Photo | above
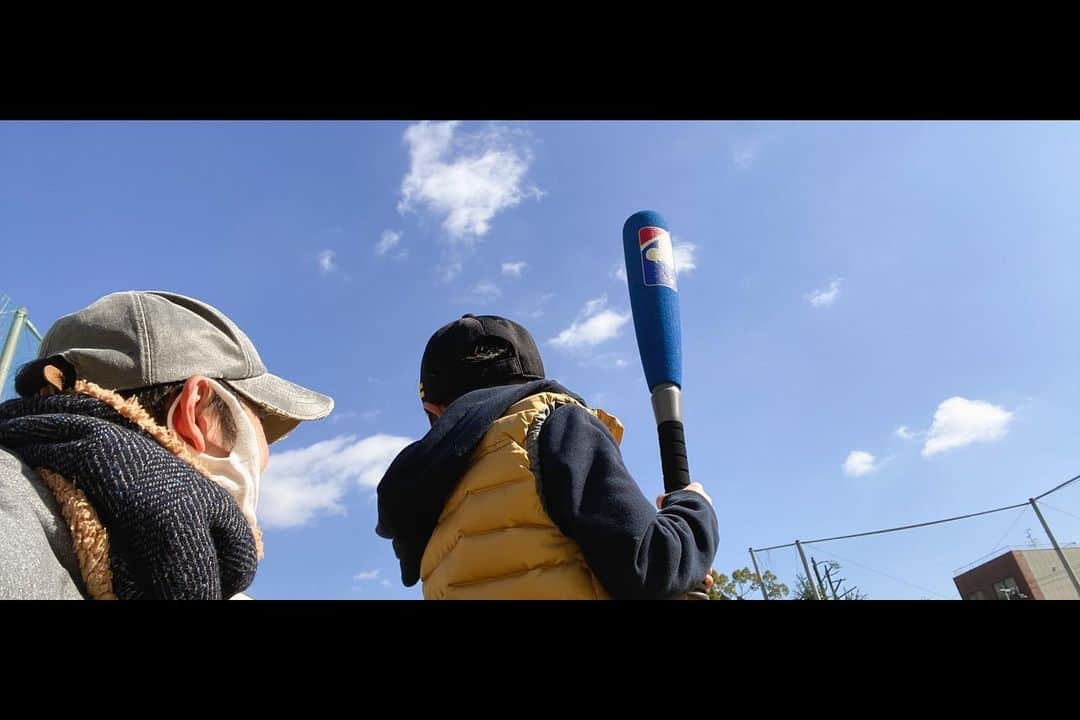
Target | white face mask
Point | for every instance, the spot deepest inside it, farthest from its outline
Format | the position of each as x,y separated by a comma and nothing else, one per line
239,473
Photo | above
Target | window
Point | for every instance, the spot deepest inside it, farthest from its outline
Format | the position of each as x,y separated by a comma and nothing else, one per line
1007,590
977,595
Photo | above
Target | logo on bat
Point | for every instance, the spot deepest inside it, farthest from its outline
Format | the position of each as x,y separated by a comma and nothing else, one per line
657,258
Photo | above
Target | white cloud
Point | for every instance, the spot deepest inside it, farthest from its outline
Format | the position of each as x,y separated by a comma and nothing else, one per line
594,325
341,415
449,270
905,434
536,309
301,485
481,293
370,414
959,422
326,261
619,272
592,331
385,583
604,360
486,289
685,255
513,268
466,178
743,154
367,575
825,298
387,242
860,462
594,306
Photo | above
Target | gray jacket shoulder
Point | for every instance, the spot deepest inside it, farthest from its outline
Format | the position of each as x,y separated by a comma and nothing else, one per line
37,559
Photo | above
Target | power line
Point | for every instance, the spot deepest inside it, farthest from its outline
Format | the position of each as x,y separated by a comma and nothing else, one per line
925,524
885,574
1053,490
774,547
1048,505
902,527
1006,534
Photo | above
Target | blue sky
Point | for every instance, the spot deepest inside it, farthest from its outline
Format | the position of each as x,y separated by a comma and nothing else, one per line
838,280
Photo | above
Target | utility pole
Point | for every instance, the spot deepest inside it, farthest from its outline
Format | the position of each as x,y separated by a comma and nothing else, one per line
761,580
8,353
806,567
1057,548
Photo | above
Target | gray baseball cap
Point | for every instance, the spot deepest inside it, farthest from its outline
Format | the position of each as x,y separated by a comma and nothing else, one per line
134,339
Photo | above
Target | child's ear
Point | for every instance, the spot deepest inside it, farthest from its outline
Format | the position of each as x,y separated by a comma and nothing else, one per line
54,380
45,377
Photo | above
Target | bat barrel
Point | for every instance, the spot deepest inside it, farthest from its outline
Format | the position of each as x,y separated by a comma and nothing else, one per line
654,297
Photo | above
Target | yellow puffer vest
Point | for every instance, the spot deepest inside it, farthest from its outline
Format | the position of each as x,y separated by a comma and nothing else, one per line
494,540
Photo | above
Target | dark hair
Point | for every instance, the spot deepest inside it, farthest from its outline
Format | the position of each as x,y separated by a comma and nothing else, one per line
156,400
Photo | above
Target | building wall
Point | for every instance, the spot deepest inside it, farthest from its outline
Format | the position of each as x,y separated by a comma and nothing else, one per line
983,577
1046,572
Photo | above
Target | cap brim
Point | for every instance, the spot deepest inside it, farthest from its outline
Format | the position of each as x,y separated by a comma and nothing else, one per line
287,404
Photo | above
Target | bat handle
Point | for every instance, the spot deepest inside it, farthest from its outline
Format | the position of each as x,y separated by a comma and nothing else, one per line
667,409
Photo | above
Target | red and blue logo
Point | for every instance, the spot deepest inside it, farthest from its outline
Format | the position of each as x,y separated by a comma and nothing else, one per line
657,258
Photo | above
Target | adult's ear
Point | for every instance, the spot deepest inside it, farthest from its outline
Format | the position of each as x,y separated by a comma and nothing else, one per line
189,418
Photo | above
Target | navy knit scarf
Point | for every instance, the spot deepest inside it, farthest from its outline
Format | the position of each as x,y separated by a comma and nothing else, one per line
173,534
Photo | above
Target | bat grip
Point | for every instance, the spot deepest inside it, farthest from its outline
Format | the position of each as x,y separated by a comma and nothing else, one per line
673,455
676,477
667,409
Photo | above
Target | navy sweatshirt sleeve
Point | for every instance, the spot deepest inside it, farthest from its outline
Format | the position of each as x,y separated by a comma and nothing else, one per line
636,552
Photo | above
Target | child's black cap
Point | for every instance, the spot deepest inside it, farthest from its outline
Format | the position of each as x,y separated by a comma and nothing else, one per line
477,352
